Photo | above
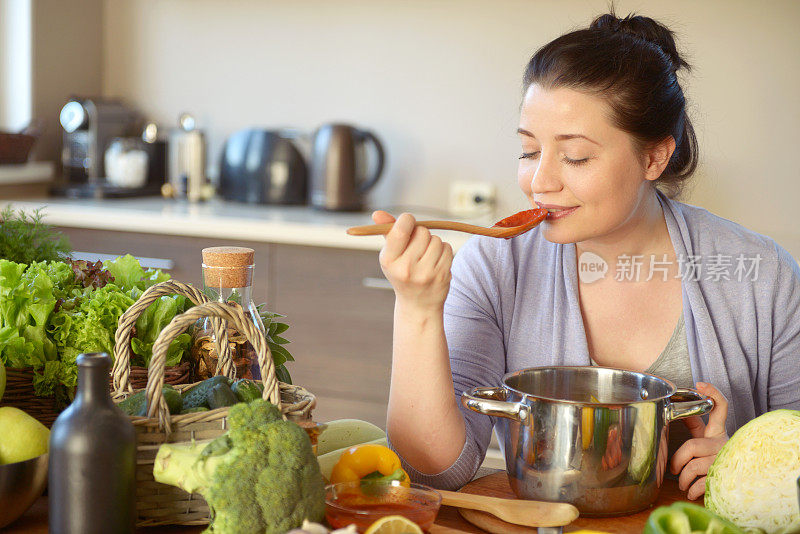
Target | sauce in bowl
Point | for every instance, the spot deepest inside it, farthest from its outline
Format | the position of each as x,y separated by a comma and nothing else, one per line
348,503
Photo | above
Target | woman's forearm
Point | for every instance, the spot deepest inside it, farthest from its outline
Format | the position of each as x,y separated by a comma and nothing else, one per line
424,422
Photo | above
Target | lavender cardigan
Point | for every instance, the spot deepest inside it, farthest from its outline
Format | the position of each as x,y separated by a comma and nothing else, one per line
514,304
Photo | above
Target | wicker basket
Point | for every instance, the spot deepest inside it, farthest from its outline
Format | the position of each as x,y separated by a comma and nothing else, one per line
19,393
175,375
135,376
159,504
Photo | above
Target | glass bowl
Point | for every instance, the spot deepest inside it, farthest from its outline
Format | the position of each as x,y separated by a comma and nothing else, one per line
363,503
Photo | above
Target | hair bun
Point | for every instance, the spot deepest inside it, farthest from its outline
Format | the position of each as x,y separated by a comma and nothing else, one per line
646,29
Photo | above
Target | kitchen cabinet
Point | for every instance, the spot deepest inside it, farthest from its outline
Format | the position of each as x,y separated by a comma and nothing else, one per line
341,327
336,303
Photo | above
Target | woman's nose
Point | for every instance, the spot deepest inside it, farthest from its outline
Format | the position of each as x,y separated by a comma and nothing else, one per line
545,178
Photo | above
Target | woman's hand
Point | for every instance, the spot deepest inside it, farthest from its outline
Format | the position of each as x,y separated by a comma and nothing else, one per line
416,263
693,459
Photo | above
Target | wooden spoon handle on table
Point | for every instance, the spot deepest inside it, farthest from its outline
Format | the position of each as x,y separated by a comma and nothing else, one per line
517,511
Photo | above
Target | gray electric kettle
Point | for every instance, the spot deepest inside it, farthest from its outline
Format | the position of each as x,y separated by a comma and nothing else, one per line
339,175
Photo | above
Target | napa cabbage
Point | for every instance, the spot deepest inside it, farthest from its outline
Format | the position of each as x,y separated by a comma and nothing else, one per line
753,480
643,443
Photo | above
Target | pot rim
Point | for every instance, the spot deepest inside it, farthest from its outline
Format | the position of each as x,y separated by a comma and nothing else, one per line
672,388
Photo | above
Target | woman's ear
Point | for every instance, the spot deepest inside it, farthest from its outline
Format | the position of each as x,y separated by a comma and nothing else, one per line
657,157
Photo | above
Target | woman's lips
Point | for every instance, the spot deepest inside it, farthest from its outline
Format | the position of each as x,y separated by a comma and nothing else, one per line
559,213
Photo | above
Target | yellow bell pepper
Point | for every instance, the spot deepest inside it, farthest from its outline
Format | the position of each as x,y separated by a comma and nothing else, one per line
370,461
587,426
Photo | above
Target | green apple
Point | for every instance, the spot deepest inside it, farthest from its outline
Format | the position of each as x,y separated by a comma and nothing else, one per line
21,436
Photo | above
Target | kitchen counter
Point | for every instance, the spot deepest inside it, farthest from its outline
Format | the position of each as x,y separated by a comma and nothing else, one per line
296,225
26,173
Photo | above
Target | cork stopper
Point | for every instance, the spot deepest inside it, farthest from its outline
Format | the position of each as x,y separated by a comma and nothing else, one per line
228,266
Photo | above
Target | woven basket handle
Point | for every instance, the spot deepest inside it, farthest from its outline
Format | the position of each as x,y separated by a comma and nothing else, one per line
122,337
233,315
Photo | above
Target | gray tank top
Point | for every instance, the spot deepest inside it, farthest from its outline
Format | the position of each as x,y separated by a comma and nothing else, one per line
673,364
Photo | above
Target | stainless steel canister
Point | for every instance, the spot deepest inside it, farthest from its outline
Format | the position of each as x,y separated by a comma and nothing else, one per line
187,159
591,436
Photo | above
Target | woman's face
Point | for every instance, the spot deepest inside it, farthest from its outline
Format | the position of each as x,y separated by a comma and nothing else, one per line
581,167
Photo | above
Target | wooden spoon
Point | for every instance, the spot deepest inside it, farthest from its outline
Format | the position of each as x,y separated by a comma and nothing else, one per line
517,511
517,224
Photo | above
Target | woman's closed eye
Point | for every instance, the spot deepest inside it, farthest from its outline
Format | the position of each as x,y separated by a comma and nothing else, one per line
565,159
571,161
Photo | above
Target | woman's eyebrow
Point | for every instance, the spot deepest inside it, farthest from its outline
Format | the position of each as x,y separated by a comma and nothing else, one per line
559,137
566,137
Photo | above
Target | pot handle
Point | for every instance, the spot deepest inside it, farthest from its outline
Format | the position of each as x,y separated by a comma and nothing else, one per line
491,401
688,403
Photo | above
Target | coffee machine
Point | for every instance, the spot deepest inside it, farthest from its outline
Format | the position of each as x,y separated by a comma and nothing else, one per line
89,126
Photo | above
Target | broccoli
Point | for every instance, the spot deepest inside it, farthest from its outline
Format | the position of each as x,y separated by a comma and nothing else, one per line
259,477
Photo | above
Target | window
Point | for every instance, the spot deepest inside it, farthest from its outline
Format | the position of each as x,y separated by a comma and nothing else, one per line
15,64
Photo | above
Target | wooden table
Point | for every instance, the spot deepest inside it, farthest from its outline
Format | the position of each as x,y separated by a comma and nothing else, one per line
496,485
34,521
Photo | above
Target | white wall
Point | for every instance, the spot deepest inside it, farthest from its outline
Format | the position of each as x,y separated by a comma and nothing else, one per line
439,81
67,47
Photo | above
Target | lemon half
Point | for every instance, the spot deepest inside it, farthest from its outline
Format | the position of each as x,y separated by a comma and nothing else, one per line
394,524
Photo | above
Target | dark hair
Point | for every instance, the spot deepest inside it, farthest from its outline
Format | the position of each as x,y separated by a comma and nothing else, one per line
632,63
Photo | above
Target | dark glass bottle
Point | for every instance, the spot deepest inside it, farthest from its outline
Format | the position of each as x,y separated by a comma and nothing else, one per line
92,474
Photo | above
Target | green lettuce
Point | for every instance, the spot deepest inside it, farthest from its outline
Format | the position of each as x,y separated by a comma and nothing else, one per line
150,324
60,274
28,296
133,279
128,274
48,317
46,380
89,323
16,351
126,271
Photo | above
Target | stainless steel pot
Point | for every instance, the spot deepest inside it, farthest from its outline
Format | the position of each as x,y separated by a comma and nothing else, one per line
591,436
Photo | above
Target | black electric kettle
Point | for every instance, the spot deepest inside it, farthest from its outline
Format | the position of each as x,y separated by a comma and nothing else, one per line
262,167
339,175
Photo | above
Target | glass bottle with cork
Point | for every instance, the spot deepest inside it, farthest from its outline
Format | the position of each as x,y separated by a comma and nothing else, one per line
227,277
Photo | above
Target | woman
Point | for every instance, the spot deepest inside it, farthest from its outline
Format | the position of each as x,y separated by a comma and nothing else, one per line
606,144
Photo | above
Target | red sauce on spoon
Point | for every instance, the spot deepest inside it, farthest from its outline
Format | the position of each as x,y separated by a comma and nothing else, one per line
522,218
